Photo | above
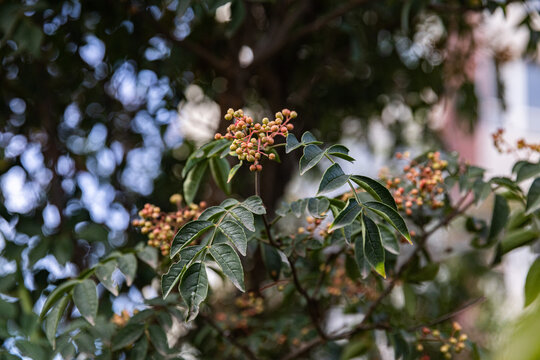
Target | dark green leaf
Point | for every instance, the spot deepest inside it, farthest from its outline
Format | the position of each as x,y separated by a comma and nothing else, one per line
347,215
189,233
86,299
389,239
499,217
227,203
318,206
272,260
126,336
517,238
53,318
333,178
391,216
375,189
255,205
291,143
219,147
244,216
56,294
104,274
527,171
533,196
312,155
220,169
193,180
235,234
230,264
212,213
373,249
233,171
308,138
339,151
194,288
149,255
158,337
140,349
128,266
171,278
363,265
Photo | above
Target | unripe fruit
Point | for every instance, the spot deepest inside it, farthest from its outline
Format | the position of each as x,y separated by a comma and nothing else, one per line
259,167
272,156
290,127
239,135
252,168
265,121
217,136
293,114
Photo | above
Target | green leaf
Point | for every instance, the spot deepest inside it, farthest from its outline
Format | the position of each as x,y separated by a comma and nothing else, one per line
532,284
499,217
391,216
360,257
255,205
317,206
233,171
312,155
389,239
333,178
86,299
171,278
126,336
189,233
235,234
212,213
140,349
298,207
244,216
507,183
158,338
193,180
347,215
272,260
373,249
194,288
339,151
291,143
128,266
104,274
230,264
56,294
227,203
53,318
527,170
149,255
220,169
219,146
517,238
375,189
533,197
308,138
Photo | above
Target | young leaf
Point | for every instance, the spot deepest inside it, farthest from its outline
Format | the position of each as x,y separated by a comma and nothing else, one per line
171,278
312,155
499,217
128,266
235,234
532,284
291,143
347,215
56,294
255,205
126,336
104,274
193,180
220,169
53,318
194,288
375,189
244,216
391,216
332,179
339,151
317,206
533,197
373,249
188,233
230,264
233,171
86,299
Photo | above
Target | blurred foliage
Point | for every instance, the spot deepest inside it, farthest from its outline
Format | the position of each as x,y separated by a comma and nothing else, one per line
89,96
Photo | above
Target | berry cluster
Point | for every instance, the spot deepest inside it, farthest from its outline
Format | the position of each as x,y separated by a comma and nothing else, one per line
250,305
162,226
343,285
454,343
503,146
422,183
312,225
251,140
